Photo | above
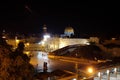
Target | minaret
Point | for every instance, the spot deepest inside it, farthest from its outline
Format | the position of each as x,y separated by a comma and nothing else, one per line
44,29
3,34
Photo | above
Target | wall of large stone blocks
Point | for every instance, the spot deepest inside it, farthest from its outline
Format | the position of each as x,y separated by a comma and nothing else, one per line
55,43
73,41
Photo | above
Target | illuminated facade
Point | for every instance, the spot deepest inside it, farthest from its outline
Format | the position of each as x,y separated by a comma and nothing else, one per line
57,43
54,43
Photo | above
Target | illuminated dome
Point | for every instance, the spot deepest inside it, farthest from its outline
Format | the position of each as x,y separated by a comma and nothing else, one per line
69,31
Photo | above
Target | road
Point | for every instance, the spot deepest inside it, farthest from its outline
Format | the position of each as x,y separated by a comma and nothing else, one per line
53,64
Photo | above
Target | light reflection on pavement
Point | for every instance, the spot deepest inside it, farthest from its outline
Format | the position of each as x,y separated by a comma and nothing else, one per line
41,57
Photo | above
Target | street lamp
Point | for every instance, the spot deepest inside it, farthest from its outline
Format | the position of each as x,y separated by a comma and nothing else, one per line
46,37
115,69
99,75
108,74
16,41
90,70
76,67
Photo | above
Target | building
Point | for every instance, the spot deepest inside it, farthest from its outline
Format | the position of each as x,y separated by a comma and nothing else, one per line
53,43
68,32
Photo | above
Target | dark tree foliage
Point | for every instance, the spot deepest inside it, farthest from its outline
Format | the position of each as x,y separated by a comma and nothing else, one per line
4,43
20,47
14,65
19,52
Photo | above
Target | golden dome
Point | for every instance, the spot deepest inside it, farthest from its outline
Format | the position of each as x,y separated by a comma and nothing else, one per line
69,30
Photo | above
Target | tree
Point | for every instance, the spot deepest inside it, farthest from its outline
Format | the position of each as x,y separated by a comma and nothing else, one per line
20,47
4,43
15,65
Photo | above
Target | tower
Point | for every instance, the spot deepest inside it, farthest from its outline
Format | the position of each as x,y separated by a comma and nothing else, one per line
44,29
4,34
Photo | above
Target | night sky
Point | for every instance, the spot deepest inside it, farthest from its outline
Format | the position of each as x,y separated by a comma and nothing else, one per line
85,17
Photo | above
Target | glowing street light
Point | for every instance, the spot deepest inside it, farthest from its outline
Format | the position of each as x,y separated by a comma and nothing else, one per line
99,75
74,79
115,69
16,41
108,74
27,44
90,70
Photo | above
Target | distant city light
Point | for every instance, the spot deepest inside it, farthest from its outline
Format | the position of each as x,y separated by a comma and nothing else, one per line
27,44
115,69
99,74
87,43
42,42
3,37
27,52
46,37
108,71
74,79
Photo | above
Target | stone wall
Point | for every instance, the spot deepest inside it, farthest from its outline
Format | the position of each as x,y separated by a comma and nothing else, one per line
54,43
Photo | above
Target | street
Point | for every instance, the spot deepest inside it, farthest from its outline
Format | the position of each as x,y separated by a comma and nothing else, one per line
53,64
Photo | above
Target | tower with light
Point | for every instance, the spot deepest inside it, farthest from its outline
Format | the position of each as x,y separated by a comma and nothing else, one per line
44,29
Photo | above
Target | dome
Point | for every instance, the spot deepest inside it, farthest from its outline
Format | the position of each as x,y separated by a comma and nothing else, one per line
69,31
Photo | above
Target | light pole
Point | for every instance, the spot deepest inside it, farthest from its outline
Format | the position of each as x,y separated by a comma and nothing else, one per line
90,71
99,75
108,75
76,67
16,41
115,69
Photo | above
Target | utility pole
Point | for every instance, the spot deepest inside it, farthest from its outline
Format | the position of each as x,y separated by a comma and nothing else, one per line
76,67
